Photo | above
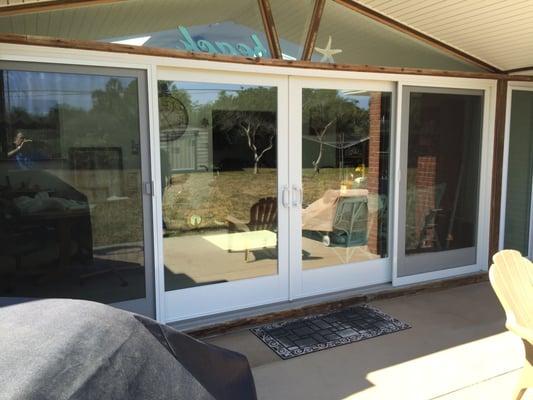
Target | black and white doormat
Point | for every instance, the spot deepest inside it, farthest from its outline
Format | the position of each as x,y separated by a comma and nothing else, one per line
296,337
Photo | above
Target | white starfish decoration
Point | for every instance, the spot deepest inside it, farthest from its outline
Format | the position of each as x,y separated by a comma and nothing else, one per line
328,52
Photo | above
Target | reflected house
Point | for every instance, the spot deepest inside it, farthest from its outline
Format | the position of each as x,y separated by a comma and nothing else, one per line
193,158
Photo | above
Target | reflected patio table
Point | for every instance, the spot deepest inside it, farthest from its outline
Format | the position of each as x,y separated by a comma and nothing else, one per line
244,241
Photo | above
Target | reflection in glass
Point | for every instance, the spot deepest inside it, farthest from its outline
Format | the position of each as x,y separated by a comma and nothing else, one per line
219,177
226,27
349,37
443,161
520,173
292,19
71,218
345,160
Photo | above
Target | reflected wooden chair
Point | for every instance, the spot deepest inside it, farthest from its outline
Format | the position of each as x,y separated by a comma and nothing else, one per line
511,277
263,216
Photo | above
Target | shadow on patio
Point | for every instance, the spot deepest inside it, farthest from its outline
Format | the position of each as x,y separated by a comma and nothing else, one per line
457,348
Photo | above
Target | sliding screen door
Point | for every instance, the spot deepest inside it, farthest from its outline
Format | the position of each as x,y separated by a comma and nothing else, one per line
440,179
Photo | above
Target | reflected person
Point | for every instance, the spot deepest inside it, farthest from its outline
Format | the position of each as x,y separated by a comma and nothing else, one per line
20,153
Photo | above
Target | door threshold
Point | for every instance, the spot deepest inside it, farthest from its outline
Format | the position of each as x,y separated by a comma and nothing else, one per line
243,319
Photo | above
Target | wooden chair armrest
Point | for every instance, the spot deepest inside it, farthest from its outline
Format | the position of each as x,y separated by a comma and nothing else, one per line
237,224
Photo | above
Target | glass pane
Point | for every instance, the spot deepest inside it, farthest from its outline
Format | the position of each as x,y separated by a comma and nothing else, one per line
225,27
348,37
292,18
218,164
519,178
71,216
345,161
443,162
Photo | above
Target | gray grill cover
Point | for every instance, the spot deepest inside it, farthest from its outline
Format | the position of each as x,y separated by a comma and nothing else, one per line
73,349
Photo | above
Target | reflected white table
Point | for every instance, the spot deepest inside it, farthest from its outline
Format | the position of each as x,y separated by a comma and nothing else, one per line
244,241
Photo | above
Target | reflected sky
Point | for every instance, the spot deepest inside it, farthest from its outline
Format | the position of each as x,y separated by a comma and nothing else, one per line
207,92
37,92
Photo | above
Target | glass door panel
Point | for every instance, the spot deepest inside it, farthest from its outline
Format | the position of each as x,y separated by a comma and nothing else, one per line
439,192
517,233
74,221
345,156
220,176
345,174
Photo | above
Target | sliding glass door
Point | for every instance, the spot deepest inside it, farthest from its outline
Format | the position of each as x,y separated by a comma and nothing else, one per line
224,191
517,216
257,207
340,184
75,218
439,185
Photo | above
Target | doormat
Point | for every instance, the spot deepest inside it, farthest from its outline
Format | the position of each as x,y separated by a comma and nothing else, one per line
296,337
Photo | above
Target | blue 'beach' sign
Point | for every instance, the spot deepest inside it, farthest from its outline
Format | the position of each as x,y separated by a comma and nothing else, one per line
239,49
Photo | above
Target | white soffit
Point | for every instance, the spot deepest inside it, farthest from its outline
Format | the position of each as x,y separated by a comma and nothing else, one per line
499,32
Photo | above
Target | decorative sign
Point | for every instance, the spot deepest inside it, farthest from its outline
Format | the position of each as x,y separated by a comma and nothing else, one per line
328,52
239,49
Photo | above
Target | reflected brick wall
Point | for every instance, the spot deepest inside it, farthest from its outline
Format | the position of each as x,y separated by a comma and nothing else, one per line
373,171
426,177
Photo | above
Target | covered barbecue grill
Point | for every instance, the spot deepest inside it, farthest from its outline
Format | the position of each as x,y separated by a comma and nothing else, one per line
73,349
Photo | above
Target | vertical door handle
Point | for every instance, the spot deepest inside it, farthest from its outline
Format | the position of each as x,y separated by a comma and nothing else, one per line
149,188
285,196
297,196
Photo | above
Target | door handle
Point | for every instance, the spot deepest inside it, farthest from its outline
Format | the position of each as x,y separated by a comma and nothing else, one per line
297,196
285,196
149,188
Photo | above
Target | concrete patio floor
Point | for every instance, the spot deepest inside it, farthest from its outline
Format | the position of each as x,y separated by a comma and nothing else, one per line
456,349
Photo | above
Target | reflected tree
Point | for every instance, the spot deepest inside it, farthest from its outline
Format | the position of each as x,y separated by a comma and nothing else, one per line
328,109
252,112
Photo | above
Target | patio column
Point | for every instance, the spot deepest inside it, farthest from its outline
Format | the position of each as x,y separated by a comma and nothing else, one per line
497,168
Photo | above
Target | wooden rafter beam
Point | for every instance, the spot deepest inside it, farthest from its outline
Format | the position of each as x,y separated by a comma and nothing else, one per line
270,28
521,69
385,20
312,31
29,40
48,5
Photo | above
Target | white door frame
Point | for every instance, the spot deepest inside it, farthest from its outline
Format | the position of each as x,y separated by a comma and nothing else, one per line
205,300
341,277
489,105
511,87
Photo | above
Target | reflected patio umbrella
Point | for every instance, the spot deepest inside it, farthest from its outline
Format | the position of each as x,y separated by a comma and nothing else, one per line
75,349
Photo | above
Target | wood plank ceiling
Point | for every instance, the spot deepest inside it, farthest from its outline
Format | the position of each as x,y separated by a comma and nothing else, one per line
499,32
